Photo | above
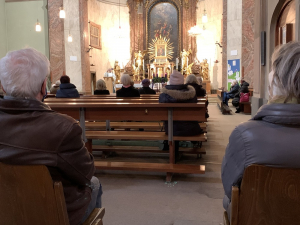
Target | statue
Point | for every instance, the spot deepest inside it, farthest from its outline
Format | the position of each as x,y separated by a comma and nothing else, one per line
139,64
117,71
185,59
197,69
189,69
205,69
168,71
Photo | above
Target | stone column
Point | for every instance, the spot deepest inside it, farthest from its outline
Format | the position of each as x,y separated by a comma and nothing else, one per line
224,43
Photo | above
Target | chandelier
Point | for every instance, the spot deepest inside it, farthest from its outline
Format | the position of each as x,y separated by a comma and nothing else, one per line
195,31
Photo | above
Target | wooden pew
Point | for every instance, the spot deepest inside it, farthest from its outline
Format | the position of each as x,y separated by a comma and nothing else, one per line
246,106
89,111
29,196
267,196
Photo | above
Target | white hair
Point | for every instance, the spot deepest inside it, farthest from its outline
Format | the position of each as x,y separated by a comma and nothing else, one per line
190,79
125,79
100,85
23,72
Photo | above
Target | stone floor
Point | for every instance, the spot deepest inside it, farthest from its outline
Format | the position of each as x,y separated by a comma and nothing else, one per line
133,198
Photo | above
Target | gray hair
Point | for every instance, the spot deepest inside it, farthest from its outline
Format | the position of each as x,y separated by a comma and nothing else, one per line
190,79
199,80
100,85
286,68
23,72
125,79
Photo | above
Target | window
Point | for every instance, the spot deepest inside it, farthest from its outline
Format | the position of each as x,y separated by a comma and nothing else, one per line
95,35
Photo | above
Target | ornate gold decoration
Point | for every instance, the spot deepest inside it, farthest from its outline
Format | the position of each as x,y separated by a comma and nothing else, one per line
205,69
185,59
117,71
186,4
161,41
138,65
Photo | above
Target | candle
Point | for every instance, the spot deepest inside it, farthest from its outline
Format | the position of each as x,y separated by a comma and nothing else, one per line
177,60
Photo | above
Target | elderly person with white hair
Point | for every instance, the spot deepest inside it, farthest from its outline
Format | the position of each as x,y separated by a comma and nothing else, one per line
233,91
55,87
33,134
271,138
127,89
193,81
101,88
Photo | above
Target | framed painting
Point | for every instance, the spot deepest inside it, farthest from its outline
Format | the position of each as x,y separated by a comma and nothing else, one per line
160,50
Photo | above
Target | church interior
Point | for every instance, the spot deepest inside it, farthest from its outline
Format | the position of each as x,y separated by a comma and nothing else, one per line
219,41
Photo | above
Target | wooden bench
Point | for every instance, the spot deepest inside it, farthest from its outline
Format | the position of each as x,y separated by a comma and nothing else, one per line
138,112
224,108
246,106
30,197
267,196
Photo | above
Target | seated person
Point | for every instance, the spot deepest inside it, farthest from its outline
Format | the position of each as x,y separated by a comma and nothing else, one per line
233,90
178,92
193,81
127,89
66,89
55,87
272,136
146,89
236,99
33,134
101,88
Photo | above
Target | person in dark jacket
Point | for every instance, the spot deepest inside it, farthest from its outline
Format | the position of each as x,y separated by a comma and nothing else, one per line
127,89
66,89
33,134
192,80
236,99
146,89
178,92
233,90
101,88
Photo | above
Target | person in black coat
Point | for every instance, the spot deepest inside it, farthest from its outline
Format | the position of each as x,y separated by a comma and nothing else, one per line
101,88
146,89
233,91
66,89
178,92
127,90
243,89
192,80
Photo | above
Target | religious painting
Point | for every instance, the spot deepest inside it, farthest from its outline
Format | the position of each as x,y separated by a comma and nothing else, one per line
163,22
160,51
233,72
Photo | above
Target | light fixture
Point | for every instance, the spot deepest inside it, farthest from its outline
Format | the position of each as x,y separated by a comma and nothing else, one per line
204,17
195,30
38,27
62,13
70,38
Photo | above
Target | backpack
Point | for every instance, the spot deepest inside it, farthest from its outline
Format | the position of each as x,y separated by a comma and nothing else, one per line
235,102
244,97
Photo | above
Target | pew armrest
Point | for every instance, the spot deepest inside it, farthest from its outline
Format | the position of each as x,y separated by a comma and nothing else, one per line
95,217
235,194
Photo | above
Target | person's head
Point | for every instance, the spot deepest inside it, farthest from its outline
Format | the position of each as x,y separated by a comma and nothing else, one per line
146,82
285,80
64,79
57,83
176,78
199,80
190,79
234,82
23,73
109,70
125,79
100,85
242,81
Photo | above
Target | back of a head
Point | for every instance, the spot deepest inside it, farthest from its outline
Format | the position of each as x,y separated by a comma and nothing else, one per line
285,81
146,82
64,79
125,79
23,72
191,79
176,78
100,85
57,83
199,79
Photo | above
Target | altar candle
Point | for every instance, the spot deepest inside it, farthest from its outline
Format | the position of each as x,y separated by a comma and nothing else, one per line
177,61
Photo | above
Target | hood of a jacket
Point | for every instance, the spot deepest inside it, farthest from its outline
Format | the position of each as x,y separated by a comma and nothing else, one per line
285,114
185,92
67,86
245,84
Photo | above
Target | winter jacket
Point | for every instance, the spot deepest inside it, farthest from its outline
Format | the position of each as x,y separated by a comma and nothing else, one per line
128,92
243,89
200,92
181,94
33,134
67,90
233,90
147,90
271,138
101,92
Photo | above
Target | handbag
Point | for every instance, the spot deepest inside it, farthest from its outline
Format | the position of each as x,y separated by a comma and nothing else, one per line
244,97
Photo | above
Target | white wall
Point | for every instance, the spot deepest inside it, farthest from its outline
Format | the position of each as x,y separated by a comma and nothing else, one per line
113,47
17,26
206,47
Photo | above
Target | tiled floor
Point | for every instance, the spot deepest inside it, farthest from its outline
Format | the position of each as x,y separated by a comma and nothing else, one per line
132,198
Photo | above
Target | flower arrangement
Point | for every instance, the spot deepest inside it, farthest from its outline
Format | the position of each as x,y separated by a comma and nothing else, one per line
160,80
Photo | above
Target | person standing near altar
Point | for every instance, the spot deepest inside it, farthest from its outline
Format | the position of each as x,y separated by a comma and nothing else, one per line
110,73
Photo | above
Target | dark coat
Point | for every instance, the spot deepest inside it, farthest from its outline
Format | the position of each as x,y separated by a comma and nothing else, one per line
200,92
243,89
233,90
67,90
33,134
128,92
181,94
101,92
146,90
